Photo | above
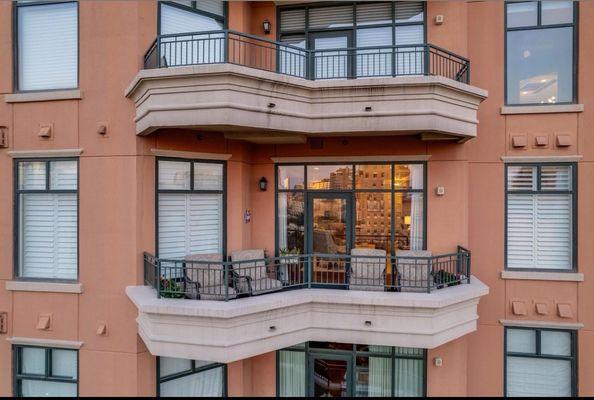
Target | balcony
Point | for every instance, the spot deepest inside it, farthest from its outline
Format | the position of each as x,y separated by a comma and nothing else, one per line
228,310
263,91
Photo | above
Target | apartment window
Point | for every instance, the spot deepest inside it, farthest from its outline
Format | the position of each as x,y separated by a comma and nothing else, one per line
190,207
541,52
541,205
540,362
47,218
179,377
43,372
47,45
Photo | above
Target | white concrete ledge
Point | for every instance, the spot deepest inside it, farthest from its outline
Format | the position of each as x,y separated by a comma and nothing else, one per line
61,344
543,276
420,157
53,287
190,154
544,109
541,159
541,324
49,95
45,153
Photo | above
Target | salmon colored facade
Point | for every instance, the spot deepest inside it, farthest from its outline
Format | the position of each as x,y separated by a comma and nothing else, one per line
117,194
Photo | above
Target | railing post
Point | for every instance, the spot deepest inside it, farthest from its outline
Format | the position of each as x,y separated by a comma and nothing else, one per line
226,279
309,270
429,268
427,68
158,278
468,265
226,47
158,51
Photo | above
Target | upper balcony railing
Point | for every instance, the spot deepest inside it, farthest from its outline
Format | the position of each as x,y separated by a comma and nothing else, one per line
205,277
226,46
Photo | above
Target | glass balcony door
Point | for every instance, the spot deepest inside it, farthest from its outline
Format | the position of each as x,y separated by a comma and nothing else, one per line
330,58
331,375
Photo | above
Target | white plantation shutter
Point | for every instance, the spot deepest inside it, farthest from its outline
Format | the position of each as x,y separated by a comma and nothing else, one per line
48,46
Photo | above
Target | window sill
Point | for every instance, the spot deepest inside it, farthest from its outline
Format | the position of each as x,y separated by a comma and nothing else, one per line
52,287
60,344
49,95
541,324
545,109
543,276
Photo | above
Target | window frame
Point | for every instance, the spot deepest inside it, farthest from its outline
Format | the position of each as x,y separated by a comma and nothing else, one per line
221,18
17,213
17,377
222,192
573,358
192,371
15,44
575,49
574,211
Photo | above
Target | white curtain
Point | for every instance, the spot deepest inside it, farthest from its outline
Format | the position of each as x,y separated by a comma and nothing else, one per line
380,377
409,378
64,364
291,374
207,383
416,207
282,220
34,388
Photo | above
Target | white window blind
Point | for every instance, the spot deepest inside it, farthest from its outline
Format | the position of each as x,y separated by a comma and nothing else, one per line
47,46
176,20
38,369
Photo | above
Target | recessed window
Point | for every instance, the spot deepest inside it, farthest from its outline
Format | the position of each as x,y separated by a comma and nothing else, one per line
540,53
179,377
540,217
47,45
43,372
47,222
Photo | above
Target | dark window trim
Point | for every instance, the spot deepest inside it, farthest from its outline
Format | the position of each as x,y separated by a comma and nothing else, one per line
574,25
352,191
222,192
573,358
47,377
574,211
15,44
221,18
16,213
193,370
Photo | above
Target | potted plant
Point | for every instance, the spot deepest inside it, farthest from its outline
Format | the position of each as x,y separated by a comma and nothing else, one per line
444,278
287,257
171,289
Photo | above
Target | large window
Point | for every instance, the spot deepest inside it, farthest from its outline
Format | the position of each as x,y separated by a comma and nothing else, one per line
45,372
381,32
190,207
47,218
541,52
179,377
541,216
540,362
47,45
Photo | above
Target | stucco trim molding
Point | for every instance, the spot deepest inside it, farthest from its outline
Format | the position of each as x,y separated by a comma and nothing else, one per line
51,287
285,160
546,109
190,154
541,324
45,153
49,95
540,159
543,276
61,344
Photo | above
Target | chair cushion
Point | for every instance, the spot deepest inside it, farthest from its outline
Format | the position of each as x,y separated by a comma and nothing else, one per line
244,264
413,271
204,273
265,285
368,270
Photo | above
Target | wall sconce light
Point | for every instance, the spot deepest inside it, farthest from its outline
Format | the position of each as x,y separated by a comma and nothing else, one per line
267,26
263,184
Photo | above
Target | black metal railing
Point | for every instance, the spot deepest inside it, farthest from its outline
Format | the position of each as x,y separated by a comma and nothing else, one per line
226,46
227,280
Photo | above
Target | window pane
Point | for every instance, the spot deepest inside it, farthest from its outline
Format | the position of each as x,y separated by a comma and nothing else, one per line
175,20
373,176
63,175
169,366
174,175
555,177
374,13
330,17
538,377
410,378
410,34
374,221
521,341
291,177
373,376
290,221
409,352
292,20
521,177
31,388
207,383
557,12
64,363
409,11
329,177
522,14
408,221
208,176
32,175
292,61
48,46
555,343
374,61
540,66
375,349
291,374
32,361
408,176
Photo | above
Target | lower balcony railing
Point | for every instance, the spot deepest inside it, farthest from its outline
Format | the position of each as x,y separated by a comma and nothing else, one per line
226,46
205,277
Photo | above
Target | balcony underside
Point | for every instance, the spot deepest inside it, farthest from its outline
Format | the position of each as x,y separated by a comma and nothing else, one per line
229,331
266,107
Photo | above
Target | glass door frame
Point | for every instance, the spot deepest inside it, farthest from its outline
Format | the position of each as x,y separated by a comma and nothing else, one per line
349,65
350,378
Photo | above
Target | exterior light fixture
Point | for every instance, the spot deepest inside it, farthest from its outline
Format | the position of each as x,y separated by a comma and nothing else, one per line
267,26
263,184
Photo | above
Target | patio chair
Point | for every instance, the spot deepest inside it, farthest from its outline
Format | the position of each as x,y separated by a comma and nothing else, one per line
250,266
206,281
368,273
413,270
